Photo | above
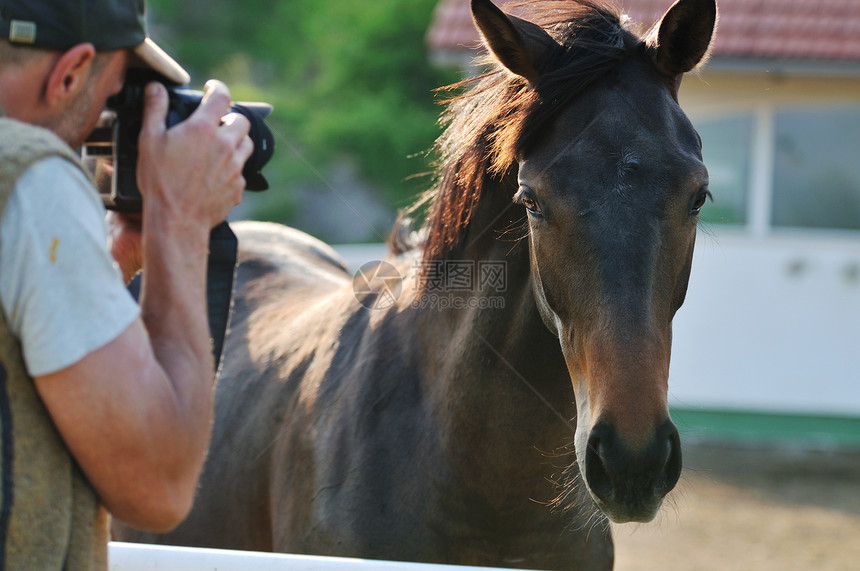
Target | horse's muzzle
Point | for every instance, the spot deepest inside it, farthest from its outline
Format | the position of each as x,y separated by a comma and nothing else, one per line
629,485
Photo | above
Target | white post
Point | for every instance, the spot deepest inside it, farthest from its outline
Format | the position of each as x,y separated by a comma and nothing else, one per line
761,172
141,557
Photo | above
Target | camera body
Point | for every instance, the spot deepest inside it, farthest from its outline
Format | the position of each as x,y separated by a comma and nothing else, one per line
115,138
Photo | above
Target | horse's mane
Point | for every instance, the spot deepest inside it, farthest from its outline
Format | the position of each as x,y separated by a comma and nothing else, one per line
500,114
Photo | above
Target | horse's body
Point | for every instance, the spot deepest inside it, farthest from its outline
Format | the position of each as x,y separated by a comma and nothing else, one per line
428,434
355,447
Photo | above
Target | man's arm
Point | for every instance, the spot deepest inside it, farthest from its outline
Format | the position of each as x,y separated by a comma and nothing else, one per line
137,413
126,426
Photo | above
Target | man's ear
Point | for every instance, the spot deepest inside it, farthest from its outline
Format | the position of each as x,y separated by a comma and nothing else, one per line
69,74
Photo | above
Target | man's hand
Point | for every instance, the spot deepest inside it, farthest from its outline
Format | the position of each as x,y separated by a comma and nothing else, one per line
193,171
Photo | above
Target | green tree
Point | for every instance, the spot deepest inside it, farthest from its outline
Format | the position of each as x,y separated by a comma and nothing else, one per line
350,81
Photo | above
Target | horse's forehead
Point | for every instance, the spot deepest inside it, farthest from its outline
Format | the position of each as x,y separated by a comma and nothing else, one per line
619,116
616,127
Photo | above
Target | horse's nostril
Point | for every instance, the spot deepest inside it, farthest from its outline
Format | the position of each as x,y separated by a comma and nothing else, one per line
615,473
672,469
595,469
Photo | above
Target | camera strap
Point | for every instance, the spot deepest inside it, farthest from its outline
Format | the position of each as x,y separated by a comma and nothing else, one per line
220,275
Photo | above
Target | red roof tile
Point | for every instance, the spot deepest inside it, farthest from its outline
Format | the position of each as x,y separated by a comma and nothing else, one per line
791,29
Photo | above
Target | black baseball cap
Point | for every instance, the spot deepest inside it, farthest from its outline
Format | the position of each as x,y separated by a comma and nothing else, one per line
107,24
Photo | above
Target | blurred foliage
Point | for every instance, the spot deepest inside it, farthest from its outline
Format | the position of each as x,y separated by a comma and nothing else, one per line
350,81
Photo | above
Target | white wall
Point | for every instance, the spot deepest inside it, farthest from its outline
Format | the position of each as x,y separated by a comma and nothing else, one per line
770,324
710,94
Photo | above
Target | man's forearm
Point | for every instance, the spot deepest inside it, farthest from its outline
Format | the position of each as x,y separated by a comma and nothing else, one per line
173,308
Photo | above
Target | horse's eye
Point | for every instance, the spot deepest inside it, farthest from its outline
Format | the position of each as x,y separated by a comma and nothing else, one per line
526,197
699,201
531,204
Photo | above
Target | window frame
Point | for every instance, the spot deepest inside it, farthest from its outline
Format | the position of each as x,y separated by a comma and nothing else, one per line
762,162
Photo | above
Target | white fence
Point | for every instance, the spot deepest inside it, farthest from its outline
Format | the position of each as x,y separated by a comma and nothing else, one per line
139,557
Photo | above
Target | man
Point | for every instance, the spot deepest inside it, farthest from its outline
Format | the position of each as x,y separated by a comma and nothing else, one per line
121,412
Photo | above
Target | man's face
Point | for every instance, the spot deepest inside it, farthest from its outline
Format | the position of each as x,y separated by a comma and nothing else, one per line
74,123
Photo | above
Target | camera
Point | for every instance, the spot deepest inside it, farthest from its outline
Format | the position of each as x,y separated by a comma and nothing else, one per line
115,139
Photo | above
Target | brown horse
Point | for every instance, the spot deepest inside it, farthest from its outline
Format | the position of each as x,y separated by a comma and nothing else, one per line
432,424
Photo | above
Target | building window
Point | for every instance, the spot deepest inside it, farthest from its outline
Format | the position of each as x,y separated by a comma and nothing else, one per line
816,182
726,149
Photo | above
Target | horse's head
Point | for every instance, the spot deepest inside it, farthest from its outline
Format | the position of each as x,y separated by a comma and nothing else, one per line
612,182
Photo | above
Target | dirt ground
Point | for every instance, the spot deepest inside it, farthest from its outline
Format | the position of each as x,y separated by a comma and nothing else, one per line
753,508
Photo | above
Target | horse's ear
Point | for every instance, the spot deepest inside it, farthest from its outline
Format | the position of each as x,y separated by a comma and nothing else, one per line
518,44
681,39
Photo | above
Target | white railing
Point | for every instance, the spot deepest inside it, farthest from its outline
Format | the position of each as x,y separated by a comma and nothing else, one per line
140,557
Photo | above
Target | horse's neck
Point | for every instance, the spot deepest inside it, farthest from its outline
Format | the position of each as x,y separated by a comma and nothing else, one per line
503,371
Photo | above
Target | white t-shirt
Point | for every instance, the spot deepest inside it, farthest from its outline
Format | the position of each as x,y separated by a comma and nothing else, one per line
61,292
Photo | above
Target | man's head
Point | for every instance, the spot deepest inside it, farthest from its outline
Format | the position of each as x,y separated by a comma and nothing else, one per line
60,60
108,25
